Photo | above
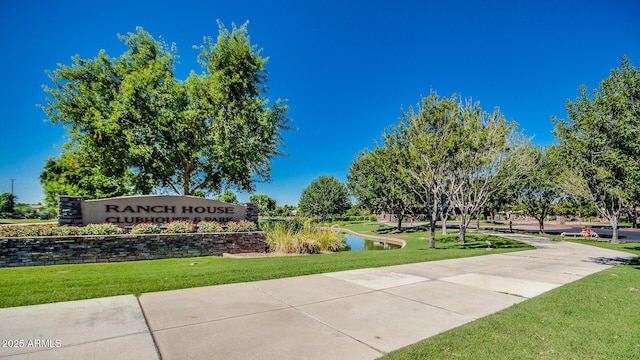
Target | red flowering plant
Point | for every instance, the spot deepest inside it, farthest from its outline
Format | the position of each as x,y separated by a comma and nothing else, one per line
102,229
56,230
241,226
145,228
181,226
10,231
210,227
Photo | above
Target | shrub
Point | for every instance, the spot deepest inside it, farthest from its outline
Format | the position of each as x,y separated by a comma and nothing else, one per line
352,218
294,225
39,230
241,226
180,226
322,239
281,238
29,230
102,229
331,240
145,228
10,231
47,230
67,230
210,227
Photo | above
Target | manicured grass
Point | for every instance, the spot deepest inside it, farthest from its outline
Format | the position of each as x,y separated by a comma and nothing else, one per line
26,221
45,284
594,318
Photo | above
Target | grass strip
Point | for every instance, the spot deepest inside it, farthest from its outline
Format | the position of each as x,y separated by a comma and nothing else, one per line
26,221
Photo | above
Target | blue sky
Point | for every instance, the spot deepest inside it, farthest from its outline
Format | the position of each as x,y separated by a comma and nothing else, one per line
346,67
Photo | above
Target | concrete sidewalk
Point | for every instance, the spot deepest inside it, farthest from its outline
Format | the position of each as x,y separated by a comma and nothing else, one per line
359,314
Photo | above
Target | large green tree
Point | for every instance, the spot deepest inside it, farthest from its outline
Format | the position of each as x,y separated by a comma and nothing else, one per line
266,205
430,132
491,155
539,188
76,173
379,185
228,196
461,155
600,143
7,204
325,196
215,130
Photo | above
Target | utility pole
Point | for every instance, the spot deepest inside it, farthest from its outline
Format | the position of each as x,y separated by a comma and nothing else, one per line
12,180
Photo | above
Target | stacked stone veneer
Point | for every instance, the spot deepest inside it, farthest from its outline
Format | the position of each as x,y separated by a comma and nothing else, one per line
50,250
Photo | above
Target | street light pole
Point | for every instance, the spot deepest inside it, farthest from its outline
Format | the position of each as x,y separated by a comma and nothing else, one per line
12,180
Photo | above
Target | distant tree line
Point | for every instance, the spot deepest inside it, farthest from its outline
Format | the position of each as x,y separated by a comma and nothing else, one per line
11,209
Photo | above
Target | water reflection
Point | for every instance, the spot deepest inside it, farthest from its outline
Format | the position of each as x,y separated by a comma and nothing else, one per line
358,243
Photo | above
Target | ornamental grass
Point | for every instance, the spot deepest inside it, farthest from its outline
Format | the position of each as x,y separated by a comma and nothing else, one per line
283,238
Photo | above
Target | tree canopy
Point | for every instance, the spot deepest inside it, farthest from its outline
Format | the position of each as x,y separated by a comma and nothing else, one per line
599,143
229,197
539,189
215,130
325,196
378,183
7,204
458,156
266,205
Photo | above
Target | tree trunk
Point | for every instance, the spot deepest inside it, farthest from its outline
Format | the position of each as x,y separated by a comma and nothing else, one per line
541,224
186,190
432,234
614,226
461,235
444,225
186,178
399,223
465,219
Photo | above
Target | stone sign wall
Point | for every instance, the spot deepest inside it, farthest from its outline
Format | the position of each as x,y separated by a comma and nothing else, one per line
158,209
52,250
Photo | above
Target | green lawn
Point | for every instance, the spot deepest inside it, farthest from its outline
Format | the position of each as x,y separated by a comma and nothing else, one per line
45,284
26,221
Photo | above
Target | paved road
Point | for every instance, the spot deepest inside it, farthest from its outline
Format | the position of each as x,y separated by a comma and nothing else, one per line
359,314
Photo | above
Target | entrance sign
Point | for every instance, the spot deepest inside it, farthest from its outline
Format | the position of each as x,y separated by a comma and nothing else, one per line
158,209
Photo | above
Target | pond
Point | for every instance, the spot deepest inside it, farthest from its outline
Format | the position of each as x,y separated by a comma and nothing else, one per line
358,243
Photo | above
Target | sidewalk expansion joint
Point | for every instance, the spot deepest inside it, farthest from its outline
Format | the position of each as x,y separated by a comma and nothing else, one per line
146,321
